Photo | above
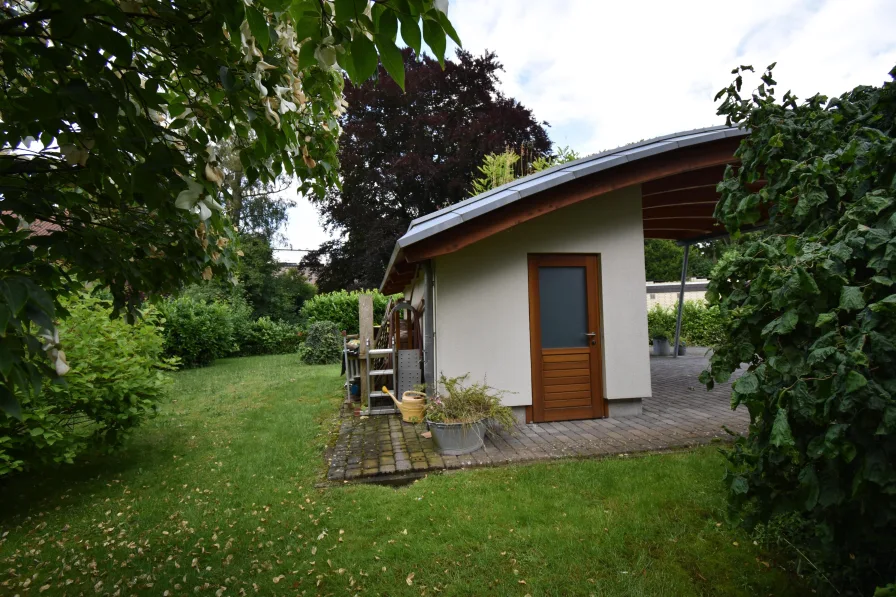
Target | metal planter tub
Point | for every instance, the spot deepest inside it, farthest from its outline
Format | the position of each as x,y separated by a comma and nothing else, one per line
454,439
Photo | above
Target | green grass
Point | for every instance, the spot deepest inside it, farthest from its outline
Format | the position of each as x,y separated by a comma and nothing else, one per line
217,496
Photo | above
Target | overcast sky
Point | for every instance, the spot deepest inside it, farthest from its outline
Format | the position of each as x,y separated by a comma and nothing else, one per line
604,74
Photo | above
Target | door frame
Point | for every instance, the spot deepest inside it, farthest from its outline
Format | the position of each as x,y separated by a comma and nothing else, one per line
599,405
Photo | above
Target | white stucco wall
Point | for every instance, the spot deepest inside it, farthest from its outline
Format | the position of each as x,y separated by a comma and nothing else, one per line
482,297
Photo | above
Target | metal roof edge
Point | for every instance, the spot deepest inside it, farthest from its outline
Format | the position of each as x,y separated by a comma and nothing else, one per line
464,211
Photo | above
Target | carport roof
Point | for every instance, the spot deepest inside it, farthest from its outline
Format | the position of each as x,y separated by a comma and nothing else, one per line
678,174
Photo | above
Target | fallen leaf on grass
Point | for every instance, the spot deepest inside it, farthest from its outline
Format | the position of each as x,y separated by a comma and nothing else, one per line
410,579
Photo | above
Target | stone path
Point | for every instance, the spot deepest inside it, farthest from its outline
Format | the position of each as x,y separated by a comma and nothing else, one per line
681,413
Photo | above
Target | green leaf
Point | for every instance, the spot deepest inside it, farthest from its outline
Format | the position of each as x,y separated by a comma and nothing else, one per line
410,32
307,58
226,78
781,435
347,10
259,27
448,27
9,404
747,383
364,57
809,482
782,325
851,298
392,60
854,381
434,36
739,486
825,318
388,25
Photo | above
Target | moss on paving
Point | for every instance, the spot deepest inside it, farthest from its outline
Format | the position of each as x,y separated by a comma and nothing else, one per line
216,496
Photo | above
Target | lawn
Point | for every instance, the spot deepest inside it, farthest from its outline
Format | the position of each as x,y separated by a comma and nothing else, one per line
217,496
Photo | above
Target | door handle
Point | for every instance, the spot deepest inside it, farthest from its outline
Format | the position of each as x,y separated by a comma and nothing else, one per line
591,334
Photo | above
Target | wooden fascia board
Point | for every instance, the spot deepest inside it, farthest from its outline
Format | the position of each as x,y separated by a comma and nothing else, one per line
716,153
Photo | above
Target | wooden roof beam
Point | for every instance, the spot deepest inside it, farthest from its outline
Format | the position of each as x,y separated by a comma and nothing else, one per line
688,159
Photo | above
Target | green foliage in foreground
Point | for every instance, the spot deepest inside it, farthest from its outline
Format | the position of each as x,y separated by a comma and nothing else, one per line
113,116
810,306
341,307
115,382
323,344
219,491
701,324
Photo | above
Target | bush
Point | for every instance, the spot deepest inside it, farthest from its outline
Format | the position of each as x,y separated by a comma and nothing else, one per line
660,323
341,308
116,379
813,316
323,344
198,332
462,403
271,337
701,325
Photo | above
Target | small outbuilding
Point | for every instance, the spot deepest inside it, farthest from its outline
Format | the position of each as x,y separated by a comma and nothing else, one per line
538,286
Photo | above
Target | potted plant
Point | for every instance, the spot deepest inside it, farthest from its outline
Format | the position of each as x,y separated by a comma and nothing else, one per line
459,417
682,348
660,345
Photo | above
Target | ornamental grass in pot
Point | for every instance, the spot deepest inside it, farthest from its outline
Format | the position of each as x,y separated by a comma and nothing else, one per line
459,415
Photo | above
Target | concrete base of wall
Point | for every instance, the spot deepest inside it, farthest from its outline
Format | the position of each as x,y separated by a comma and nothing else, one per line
628,407
519,413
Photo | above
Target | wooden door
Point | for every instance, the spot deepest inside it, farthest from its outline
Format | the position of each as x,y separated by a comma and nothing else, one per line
565,336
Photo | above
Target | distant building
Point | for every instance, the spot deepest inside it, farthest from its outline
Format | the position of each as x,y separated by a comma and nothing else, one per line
665,294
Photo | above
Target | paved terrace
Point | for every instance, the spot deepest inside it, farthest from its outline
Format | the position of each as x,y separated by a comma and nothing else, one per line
681,413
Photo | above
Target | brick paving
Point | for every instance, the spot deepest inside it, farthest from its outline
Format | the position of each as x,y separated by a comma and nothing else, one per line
681,413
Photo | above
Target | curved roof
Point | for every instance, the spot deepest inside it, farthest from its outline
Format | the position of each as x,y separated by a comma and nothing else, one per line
683,215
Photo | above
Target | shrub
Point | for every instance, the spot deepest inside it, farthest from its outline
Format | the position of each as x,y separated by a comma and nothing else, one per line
198,332
116,379
813,316
701,325
341,307
323,344
462,403
660,322
271,337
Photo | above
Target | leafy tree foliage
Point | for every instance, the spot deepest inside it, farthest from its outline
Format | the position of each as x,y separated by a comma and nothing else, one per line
405,155
501,168
663,258
113,114
116,380
270,291
810,307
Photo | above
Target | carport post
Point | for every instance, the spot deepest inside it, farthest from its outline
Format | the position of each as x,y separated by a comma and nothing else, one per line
684,276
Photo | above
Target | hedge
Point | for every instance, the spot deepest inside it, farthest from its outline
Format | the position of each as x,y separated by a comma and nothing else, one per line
701,325
341,308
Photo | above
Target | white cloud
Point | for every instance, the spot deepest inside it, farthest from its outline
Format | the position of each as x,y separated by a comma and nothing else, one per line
608,73
604,74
